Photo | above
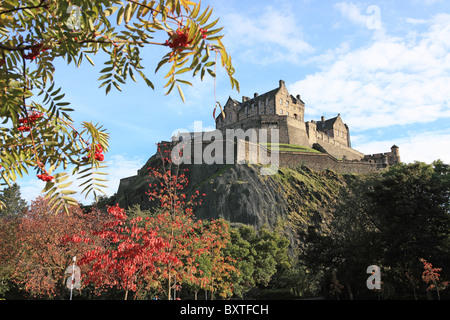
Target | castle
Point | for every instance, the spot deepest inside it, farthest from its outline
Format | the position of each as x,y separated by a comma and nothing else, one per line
281,110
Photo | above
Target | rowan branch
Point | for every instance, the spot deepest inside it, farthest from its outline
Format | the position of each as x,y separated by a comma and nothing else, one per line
42,4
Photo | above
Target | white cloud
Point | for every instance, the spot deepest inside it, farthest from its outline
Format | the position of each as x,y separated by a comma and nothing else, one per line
392,81
424,147
352,12
273,35
119,167
416,21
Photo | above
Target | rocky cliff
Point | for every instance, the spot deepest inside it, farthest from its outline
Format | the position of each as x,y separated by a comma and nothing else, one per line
292,200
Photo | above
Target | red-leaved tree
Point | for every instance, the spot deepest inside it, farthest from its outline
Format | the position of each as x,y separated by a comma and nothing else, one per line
189,238
42,255
431,276
130,255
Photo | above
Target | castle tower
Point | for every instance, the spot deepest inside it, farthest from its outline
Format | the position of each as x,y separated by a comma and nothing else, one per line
395,151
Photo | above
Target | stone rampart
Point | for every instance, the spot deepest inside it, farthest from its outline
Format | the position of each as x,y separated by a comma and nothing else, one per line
323,161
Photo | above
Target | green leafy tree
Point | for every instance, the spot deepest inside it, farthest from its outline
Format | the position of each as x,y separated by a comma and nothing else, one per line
14,204
39,133
411,208
258,254
390,219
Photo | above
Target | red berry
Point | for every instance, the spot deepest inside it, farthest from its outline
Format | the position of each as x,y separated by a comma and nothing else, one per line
99,156
24,128
45,177
98,148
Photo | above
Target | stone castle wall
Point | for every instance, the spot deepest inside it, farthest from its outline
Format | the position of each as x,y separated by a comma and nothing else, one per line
246,152
323,161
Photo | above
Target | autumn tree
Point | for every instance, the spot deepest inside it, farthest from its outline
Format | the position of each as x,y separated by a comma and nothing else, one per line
198,245
39,134
215,268
9,248
431,276
128,257
40,254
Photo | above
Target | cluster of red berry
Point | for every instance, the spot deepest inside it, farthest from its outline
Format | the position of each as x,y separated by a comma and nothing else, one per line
32,118
24,128
35,51
180,39
98,155
45,177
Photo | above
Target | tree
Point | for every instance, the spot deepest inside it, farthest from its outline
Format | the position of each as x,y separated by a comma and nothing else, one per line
432,275
390,219
40,134
217,268
199,246
14,204
9,248
40,255
258,255
411,209
130,255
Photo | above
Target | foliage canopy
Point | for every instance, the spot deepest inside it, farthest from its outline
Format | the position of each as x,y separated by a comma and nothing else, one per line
38,132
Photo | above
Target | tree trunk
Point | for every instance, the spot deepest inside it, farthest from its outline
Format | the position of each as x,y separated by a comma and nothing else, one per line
168,289
350,294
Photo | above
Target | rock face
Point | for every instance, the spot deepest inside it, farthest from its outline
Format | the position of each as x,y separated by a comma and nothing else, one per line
291,200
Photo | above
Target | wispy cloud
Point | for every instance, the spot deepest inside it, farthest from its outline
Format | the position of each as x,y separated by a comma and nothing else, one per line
274,35
425,147
392,81
352,12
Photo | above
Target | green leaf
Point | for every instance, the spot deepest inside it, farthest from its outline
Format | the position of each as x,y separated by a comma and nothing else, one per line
128,11
110,11
183,70
89,59
120,16
117,86
181,93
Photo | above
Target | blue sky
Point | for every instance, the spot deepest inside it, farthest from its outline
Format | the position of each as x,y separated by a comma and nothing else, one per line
383,65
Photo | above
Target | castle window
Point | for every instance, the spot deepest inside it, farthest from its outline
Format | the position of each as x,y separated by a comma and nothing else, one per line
281,101
267,101
253,107
287,104
287,113
281,111
246,110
